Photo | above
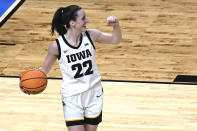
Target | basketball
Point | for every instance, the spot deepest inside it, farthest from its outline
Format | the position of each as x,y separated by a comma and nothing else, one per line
33,81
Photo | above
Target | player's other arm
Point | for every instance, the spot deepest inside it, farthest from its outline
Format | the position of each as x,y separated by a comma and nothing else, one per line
49,61
50,58
102,37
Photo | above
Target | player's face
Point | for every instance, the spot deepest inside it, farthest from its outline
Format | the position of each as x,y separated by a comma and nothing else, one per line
81,20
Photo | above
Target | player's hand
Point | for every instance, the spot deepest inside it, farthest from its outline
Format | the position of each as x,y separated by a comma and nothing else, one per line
112,21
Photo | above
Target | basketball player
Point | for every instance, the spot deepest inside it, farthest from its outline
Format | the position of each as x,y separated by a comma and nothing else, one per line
82,93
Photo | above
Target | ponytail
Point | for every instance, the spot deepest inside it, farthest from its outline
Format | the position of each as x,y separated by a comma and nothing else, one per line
57,23
62,17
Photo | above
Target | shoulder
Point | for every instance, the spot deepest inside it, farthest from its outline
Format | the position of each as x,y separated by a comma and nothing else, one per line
93,31
53,45
94,34
53,48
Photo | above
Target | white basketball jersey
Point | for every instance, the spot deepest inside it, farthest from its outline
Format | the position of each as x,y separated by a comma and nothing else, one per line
77,65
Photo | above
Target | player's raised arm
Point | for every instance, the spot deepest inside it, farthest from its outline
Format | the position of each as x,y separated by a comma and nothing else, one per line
102,37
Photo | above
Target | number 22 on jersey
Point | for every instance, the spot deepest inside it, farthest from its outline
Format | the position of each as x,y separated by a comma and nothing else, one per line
79,69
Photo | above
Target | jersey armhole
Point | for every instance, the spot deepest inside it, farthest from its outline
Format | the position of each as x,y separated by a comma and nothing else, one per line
59,49
88,35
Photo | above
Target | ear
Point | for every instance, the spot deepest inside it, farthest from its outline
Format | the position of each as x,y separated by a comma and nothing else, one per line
72,23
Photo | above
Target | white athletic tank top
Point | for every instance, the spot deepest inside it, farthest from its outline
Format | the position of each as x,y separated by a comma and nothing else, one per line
77,65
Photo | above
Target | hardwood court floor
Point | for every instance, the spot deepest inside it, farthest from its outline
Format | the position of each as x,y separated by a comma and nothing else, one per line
159,42
159,38
127,107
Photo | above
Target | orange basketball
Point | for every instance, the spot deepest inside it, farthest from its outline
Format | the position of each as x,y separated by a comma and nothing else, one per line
33,81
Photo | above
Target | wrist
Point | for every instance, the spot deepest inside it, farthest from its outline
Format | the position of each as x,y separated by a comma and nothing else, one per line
116,25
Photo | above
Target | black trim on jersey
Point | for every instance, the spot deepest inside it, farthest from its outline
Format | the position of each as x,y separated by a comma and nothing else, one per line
70,44
59,49
88,35
73,123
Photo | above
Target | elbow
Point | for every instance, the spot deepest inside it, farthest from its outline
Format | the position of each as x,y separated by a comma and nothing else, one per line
117,41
